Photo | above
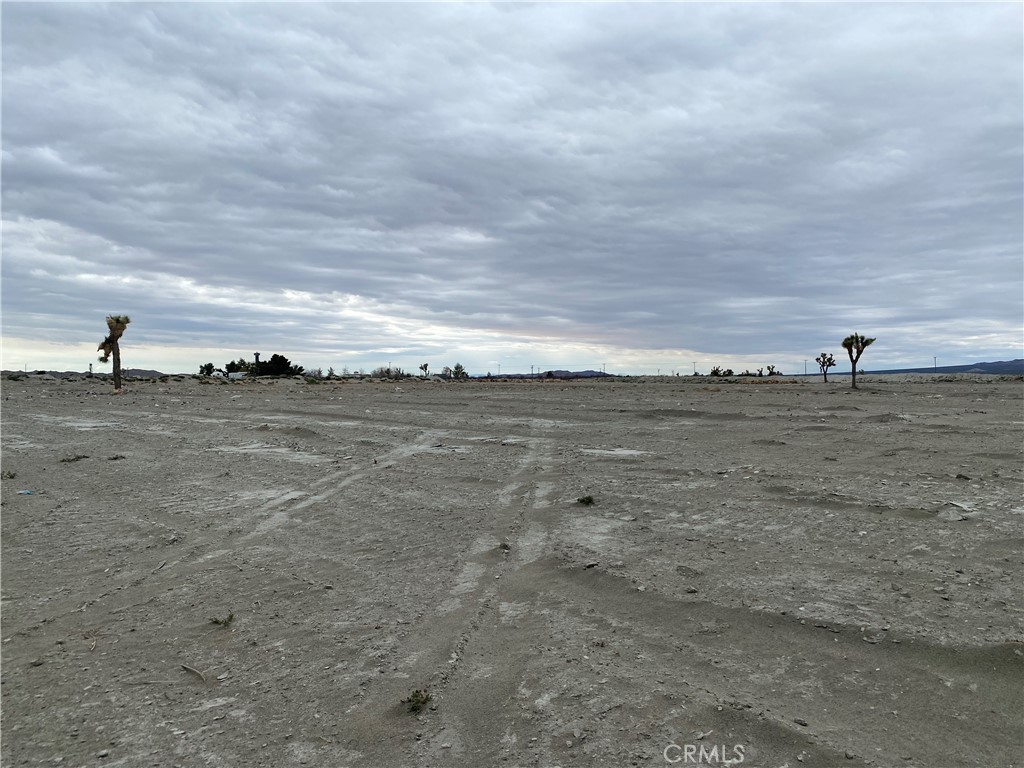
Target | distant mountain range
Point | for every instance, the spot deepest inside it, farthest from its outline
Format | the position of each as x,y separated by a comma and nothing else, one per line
132,373
1002,367
559,374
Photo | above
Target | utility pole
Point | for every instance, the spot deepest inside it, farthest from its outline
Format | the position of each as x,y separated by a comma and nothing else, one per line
935,363
805,367
695,368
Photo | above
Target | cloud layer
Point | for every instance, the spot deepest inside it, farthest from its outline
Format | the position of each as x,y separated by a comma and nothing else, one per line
559,185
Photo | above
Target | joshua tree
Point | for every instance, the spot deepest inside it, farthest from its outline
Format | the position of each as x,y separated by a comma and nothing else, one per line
855,345
109,346
425,367
825,361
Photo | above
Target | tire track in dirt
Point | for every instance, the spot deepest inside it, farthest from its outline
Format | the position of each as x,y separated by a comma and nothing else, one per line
454,651
228,535
509,620
277,510
424,442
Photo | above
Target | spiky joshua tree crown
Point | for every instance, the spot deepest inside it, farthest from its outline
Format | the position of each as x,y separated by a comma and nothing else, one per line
117,325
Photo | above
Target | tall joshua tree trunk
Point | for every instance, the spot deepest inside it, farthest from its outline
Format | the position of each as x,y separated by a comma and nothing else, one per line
117,364
110,347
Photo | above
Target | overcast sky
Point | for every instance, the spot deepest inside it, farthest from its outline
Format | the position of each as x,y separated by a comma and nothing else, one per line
637,186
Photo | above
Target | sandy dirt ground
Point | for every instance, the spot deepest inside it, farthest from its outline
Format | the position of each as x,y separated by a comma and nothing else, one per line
784,571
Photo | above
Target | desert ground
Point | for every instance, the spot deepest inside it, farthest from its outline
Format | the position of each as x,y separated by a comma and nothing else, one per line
264,573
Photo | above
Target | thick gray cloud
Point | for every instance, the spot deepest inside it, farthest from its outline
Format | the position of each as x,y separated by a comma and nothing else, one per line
566,184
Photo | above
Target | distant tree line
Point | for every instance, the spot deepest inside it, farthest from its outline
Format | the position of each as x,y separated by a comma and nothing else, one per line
854,344
277,365
389,372
719,371
457,372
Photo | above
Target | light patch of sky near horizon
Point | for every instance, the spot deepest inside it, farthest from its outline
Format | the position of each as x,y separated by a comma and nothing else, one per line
558,186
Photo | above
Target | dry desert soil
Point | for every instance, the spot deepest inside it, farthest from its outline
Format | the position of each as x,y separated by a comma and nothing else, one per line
787,572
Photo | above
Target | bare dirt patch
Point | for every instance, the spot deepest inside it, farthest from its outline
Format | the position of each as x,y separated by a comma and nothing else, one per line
820,576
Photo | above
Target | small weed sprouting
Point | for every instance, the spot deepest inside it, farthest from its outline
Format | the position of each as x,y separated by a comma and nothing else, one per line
225,622
417,700
586,501
76,457
9,475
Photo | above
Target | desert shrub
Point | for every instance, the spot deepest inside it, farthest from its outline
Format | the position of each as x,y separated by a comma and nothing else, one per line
385,372
417,700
